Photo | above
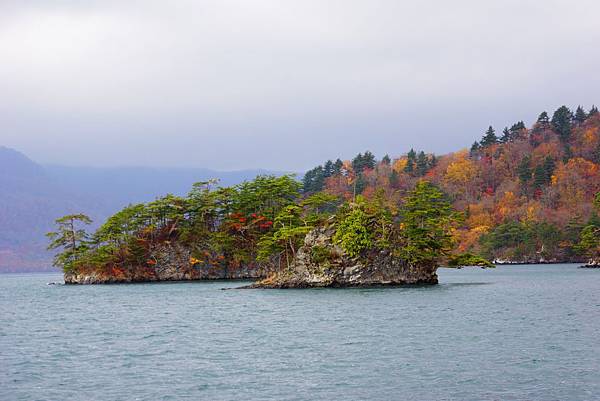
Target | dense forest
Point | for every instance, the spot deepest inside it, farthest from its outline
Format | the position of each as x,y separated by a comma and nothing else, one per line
526,195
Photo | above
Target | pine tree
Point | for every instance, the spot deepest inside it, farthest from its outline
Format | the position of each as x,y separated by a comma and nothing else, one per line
358,164
474,149
539,177
307,181
549,166
386,160
524,170
328,169
489,138
593,111
580,115
561,122
422,164
318,179
411,157
369,160
393,179
70,238
543,118
337,166
518,126
427,219
506,136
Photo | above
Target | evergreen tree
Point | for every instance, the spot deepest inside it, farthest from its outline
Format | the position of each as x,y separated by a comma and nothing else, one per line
328,169
318,180
386,160
314,180
539,177
580,115
593,111
427,219
474,149
369,160
524,170
561,122
422,164
359,185
506,135
549,166
337,167
411,157
307,181
70,238
357,163
393,179
362,162
518,126
489,138
543,118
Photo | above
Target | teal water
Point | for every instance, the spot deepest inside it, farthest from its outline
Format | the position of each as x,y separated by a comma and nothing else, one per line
513,333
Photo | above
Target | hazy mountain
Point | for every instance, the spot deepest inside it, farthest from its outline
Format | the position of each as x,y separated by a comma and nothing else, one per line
32,196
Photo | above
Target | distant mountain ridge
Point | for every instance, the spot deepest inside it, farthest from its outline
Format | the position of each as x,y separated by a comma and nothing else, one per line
33,195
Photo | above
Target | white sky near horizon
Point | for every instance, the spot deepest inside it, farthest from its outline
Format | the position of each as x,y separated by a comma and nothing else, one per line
282,85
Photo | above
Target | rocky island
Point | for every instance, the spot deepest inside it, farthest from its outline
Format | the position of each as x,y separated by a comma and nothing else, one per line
264,230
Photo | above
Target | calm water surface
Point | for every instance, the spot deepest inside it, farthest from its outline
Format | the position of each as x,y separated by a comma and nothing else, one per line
513,333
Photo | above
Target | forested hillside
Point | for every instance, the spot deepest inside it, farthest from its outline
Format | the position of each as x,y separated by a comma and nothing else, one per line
526,194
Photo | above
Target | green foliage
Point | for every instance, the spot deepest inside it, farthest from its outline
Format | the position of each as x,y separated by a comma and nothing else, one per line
522,240
353,233
580,115
468,259
314,180
122,225
474,149
265,195
422,164
589,242
411,157
489,138
561,122
524,170
320,254
69,237
589,238
362,162
427,222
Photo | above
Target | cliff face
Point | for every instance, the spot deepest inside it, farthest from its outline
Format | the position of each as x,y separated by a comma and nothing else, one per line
320,263
172,264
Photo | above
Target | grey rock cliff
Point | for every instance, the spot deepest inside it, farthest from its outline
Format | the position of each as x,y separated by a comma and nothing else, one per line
172,263
321,263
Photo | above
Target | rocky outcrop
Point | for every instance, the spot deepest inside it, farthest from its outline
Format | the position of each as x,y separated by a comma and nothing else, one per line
592,264
171,262
321,263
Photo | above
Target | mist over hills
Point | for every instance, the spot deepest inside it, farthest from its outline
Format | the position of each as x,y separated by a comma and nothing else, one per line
33,195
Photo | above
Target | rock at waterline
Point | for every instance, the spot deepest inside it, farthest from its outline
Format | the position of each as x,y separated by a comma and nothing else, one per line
321,263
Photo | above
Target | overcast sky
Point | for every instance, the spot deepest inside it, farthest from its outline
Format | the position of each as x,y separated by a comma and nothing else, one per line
282,84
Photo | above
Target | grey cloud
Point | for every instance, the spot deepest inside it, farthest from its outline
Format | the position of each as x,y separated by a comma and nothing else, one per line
233,84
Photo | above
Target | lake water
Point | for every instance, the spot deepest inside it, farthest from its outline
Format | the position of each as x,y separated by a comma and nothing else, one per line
513,333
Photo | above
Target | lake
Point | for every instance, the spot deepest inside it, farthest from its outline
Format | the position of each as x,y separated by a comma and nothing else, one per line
528,332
